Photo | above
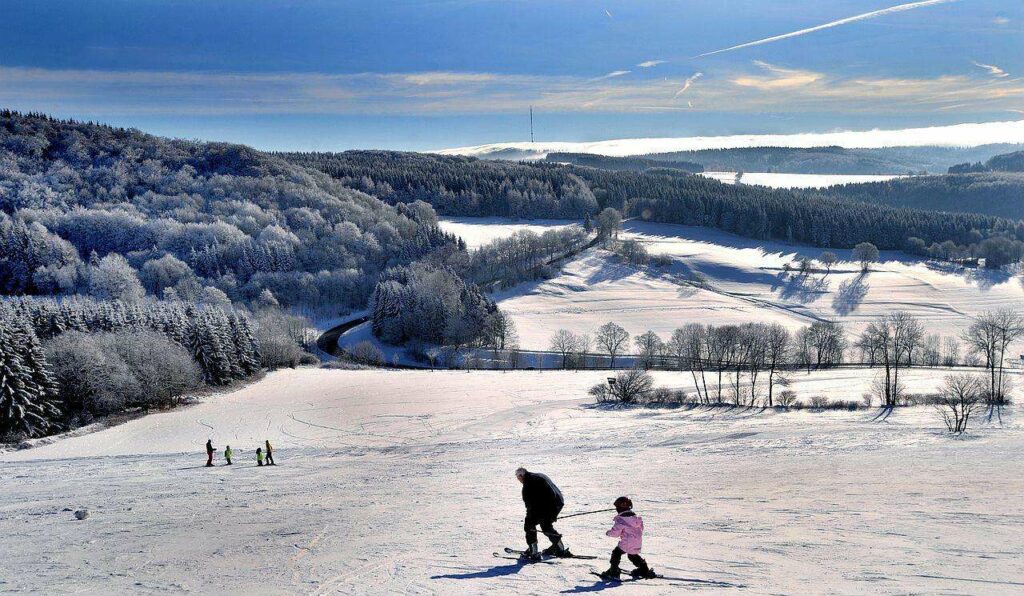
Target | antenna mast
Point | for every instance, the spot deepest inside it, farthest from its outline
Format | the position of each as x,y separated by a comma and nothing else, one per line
531,124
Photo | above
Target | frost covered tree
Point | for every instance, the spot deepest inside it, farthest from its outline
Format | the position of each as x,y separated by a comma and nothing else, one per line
828,259
609,222
114,279
165,272
865,253
27,391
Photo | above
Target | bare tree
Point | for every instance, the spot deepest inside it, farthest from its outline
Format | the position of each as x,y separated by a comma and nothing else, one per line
564,342
611,339
632,385
990,336
515,356
827,340
893,338
583,345
959,397
500,330
950,352
686,347
777,353
755,339
931,350
650,347
722,343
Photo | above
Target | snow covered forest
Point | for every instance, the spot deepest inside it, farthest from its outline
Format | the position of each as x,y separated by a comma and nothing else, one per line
462,186
206,252
200,251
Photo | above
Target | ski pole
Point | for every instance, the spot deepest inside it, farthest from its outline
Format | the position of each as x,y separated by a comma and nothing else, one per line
556,534
585,513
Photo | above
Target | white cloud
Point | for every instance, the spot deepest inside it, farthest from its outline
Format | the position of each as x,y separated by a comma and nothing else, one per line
777,78
992,70
861,17
762,88
650,63
959,135
687,84
613,74
448,78
1001,21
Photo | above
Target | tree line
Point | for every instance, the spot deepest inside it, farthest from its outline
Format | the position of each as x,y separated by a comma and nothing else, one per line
745,363
468,186
68,360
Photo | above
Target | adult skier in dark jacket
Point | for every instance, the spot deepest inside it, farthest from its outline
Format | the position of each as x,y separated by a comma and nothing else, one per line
543,503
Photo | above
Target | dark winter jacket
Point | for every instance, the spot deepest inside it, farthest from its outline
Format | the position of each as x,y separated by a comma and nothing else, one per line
542,498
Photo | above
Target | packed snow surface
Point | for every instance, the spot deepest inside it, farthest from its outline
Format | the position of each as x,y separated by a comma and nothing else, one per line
402,482
777,180
719,278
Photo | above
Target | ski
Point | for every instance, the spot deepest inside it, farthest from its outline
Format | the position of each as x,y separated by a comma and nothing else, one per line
513,551
522,559
628,578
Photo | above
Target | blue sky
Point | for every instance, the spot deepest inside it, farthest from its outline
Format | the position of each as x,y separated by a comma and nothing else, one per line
318,74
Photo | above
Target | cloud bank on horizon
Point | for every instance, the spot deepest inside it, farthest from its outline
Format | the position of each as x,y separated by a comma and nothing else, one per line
958,135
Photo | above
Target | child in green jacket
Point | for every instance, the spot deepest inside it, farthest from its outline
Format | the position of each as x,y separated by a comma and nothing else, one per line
227,454
259,456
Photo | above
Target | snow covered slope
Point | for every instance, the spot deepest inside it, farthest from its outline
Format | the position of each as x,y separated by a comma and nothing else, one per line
401,482
720,278
477,231
776,180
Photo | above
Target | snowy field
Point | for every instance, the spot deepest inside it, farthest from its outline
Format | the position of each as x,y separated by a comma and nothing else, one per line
775,180
477,231
401,482
720,278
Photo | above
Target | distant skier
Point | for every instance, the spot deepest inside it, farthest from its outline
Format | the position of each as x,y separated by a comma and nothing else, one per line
629,529
227,454
543,504
259,456
209,453
270,455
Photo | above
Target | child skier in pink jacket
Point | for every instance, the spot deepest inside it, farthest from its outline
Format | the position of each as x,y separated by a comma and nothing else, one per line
629,529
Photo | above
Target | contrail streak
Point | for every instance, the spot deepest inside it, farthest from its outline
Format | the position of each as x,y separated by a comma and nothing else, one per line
686,85
847,20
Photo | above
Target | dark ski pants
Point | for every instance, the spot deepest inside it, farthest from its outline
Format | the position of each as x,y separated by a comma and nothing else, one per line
209,459
637,560
546,526
270,459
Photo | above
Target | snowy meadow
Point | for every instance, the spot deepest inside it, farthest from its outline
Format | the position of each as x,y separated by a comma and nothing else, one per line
394,481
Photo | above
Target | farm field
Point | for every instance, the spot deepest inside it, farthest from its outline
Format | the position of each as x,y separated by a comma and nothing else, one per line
715,277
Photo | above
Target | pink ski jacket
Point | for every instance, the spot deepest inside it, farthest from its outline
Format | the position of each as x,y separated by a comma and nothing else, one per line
629,528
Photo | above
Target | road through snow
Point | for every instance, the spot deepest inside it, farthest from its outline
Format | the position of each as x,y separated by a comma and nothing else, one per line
401,481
